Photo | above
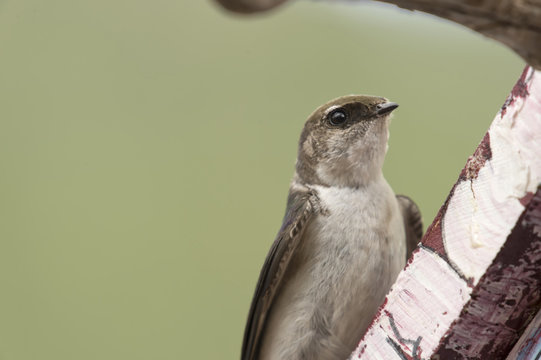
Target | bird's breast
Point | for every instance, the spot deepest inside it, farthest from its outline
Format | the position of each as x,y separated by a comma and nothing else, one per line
348,258
365,220
353,252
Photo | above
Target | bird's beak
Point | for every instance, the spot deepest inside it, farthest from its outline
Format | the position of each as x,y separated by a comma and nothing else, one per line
385,108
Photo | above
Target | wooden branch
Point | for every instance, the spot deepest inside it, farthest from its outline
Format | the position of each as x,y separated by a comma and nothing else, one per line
515,23
474,283
249,6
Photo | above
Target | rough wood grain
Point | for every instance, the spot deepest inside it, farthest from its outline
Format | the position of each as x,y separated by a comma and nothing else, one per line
515,23
505,298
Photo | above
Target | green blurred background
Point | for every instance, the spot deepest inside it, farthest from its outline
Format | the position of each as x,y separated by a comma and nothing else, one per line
146,150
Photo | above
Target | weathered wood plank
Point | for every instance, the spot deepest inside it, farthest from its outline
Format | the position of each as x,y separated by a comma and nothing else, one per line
471,288
505,298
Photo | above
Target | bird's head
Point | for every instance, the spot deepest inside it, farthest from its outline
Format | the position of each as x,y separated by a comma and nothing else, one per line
344,141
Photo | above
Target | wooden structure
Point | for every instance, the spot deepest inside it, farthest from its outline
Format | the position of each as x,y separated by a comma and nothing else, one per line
474,284
472,289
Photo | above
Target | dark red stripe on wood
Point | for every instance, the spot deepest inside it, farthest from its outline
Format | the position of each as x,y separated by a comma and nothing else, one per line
482,154
520,90
433,239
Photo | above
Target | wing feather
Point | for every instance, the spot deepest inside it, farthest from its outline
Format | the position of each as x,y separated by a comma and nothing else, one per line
412,222
301,207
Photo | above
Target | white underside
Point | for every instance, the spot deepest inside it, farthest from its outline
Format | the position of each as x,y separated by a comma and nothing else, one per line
350,256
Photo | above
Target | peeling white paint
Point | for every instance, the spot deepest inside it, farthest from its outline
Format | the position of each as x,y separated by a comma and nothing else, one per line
425,300
429,294
483,211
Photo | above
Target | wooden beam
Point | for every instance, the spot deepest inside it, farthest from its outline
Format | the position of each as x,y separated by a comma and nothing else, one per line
474,283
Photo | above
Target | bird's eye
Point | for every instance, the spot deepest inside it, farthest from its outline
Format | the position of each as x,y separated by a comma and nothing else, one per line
337,117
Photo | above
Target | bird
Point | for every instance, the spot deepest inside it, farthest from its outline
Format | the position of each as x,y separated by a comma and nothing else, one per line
344,238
